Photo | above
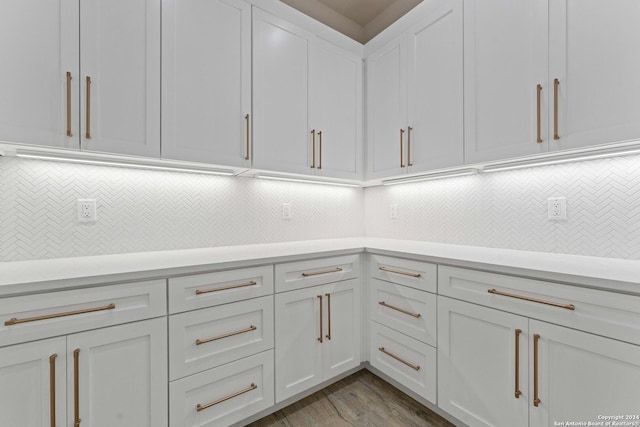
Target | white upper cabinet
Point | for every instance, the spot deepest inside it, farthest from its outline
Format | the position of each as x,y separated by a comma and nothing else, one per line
307,100
386,109
206,81
593,55
414,95
120,76
435,95
282,140
505,59
335,110
39,46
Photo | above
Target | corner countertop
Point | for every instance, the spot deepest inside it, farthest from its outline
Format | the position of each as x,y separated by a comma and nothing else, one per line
22,277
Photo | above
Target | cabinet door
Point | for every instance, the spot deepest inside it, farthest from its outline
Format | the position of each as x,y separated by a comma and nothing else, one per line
582,376
38,46
335,109
505,58
298,341
33,383
281,136
387,110
591,54
206,80
435,89
342,335
121,372
477,364
120,53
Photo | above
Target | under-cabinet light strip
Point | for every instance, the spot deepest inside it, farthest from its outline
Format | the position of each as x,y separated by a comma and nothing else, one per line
120,164
308,181
429,177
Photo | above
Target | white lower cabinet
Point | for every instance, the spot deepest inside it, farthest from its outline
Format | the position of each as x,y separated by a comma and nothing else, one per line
317,335
410,362
224,395
108,377
33,385
501,369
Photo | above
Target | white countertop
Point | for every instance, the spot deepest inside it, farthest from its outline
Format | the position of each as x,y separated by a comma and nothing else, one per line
38,275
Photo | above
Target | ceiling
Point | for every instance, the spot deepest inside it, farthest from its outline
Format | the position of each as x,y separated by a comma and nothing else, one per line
359,19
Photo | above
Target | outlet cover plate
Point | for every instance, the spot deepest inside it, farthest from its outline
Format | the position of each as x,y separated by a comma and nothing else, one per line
87,210
557,208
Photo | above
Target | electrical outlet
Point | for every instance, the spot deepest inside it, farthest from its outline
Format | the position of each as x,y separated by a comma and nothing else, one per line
286,211
87,210
557,208
393,211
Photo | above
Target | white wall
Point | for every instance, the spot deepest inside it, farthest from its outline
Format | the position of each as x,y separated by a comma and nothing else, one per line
150,210
509,209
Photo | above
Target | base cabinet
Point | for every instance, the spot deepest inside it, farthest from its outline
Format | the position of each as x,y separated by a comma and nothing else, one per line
501,369
317,335
108,377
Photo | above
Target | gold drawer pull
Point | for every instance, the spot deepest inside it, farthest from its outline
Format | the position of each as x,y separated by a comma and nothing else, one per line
242,285
538,114
384,304
518,393
230,334
69,133
412,366
88,108
315,273
52,389
200,407
390,270
246,153
15,321
539,301
76,388
556,83
536,398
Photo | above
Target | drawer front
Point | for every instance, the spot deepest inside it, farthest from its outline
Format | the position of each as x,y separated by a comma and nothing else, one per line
404,309
415,274
221,287
408,361
604,313
226,394
206,338
302,274
31,317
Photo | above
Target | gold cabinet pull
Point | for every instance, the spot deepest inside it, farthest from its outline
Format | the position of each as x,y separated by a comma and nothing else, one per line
76,388
320,151
315,273
328,336
241,285
384,304
200,407
539,114
320,337
313,148
409,129
539,301
518,393
246,152
401,148
15,321
52,388
556,83
69,104
411,365
227,335
390,270
536,398
88,125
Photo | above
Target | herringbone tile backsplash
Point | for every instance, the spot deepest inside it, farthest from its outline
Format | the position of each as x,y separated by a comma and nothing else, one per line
509,209
142,210
149,210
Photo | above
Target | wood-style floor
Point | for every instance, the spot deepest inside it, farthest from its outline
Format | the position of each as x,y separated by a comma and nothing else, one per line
361,399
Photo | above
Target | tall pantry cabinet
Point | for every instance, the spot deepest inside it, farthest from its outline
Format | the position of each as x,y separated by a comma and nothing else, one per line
86,74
